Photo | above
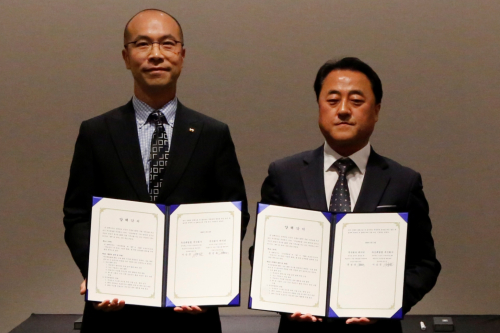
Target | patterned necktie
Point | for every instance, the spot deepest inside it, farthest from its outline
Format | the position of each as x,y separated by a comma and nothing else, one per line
341,200
159,154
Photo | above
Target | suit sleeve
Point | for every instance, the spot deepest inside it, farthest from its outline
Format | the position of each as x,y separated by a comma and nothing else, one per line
269,195
422,266
269,192
229,180
78,201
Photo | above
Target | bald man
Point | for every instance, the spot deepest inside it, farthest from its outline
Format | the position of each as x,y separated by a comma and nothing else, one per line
113,159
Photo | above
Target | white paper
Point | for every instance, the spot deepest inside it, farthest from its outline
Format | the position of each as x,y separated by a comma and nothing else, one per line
126,251
290,266
204,254
368,265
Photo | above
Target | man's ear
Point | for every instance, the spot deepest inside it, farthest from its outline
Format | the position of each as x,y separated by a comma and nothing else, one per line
183,55
126,58
377,110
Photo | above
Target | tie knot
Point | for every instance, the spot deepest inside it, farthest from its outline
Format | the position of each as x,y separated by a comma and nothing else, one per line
157,117
344,165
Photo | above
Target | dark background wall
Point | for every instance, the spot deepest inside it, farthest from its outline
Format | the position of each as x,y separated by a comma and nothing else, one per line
252,64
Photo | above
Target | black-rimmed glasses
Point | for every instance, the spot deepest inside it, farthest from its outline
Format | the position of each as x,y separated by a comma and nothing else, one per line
144,45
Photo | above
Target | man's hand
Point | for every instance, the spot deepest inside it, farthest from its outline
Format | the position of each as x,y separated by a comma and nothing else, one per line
361,321
193,309
108,306
105,306
297,316
83,287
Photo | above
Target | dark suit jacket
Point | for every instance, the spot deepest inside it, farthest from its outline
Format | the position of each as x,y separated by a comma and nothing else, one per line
298,181
107,162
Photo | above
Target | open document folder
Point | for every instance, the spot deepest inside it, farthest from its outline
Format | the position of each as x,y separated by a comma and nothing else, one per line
329,265
163,256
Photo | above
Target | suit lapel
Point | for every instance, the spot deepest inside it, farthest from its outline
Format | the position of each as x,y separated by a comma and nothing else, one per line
123,131
314,186
376,179
186,132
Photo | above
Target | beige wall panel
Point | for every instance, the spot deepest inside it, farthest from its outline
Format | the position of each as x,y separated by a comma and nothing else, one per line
252,65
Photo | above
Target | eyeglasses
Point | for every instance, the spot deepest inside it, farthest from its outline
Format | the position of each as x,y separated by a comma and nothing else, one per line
145,46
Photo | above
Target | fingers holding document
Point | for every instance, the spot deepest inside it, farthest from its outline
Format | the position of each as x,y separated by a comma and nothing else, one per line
297,316
361,321
107,305
191,309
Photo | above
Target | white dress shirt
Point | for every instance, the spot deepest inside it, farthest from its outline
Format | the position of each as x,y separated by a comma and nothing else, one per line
354,177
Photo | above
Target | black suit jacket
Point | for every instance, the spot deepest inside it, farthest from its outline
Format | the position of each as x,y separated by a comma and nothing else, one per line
107,162
298,181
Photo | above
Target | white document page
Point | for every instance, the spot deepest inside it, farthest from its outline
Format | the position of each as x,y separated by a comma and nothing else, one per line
204,254
290,267
126,252
368,265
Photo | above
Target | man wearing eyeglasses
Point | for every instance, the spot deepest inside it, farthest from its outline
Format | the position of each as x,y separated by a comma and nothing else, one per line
151,149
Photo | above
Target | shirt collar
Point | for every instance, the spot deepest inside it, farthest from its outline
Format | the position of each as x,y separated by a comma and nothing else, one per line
142,111
360,158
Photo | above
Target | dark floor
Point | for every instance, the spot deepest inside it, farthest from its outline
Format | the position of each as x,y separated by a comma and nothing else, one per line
63,323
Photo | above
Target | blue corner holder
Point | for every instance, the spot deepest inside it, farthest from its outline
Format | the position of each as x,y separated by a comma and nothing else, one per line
404,216
169,303
339,217
261,207
162,208
328,216
237,204
235,301
332,313
95,200
173,208
250,302
398,314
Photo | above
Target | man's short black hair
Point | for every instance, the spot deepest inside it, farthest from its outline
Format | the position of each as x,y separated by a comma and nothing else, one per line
350,64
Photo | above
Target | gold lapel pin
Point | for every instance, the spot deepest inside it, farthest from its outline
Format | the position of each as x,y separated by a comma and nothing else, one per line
191,129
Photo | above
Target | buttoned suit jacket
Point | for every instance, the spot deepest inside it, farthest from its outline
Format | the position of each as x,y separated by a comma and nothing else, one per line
298,181
107,162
